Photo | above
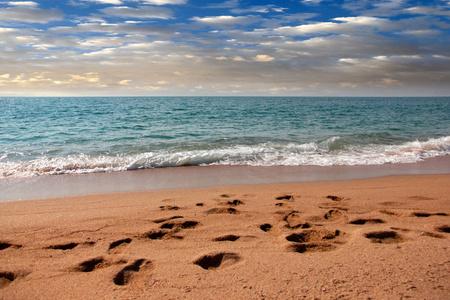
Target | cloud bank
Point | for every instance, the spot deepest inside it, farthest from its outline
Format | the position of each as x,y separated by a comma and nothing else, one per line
180,47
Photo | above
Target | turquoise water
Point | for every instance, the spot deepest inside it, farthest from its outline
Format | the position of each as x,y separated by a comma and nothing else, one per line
81,135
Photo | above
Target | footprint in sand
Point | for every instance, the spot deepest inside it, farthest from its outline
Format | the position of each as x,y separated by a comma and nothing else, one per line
265,227
223,210
177,226
333,215
92,265
68,246
285,197
156,234
426,215
6,278
6,245
385,237
217,260
315,240
311,247
313,236
131,271
228,237
167,230
443,228
235,202
169,207
366,221
294,221
118,246
335,198
167,219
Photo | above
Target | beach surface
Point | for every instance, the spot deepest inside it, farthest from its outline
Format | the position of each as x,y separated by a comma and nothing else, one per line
376,238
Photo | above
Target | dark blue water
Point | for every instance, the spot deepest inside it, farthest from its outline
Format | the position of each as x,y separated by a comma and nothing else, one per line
78,135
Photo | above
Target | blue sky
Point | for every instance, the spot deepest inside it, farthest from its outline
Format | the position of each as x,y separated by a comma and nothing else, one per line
224,48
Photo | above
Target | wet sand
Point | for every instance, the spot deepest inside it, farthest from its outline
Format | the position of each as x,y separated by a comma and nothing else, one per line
202,176
380,238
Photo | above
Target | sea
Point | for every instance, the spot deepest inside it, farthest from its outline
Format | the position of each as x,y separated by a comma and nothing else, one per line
75,135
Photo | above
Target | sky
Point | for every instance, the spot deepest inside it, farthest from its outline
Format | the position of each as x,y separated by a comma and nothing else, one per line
224,48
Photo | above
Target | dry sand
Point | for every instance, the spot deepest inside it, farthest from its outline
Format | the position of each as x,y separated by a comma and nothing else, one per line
382,238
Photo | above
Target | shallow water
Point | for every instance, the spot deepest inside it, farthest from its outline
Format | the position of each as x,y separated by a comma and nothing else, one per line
47,136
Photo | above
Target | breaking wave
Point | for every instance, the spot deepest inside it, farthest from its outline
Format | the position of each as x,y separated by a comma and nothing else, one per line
333,151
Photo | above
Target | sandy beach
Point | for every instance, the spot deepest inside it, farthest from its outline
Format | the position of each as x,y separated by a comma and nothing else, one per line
380,238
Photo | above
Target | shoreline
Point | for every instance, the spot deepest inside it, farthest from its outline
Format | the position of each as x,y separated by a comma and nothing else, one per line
43,187
385,237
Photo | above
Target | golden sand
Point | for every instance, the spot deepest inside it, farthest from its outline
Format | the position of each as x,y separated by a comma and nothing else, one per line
382,238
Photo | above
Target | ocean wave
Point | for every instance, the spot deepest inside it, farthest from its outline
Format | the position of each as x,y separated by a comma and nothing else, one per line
333,151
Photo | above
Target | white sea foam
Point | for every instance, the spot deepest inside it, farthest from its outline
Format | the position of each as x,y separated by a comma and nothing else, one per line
323,153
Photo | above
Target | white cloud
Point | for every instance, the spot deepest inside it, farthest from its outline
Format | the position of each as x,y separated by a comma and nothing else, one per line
95,42
125,82
30,15
311,1
381,57
349,60
104,52
23,3
133,53
427,10
153,88
390,81
362,20
141,12
142,46
4,30
164,2
278,89
308,28
441,56
348,85
279,9
222,20
113,28
263,58
345,25
424,33
258,9
87,77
